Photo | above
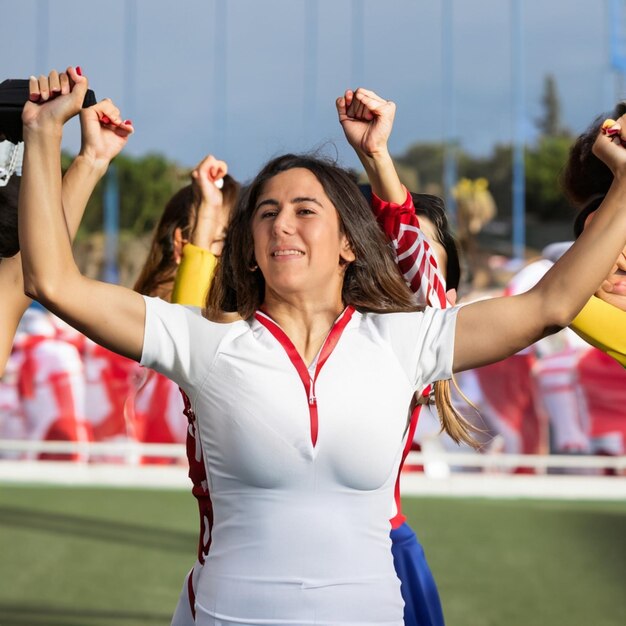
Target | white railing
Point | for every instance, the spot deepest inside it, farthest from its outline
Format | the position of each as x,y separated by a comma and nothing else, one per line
489,462
450,474
511,461
115,449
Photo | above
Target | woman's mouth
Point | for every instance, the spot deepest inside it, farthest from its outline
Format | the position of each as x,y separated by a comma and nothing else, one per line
288,252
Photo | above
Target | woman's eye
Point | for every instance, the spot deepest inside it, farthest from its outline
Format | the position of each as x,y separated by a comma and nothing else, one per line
267,214
305,211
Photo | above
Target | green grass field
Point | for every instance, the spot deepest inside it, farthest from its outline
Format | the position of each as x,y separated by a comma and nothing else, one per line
90,557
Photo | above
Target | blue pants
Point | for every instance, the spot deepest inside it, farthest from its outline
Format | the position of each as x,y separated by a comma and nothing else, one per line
422,606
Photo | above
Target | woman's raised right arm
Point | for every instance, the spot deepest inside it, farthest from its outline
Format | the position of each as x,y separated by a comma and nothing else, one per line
112,316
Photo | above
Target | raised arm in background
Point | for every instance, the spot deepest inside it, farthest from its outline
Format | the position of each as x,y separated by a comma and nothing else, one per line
199,255
490,330
99,145
367,121
110,315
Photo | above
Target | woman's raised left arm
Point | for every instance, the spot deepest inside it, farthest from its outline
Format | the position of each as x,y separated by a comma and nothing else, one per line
491,330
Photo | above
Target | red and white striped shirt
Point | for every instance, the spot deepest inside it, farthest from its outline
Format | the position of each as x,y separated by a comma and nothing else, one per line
414,254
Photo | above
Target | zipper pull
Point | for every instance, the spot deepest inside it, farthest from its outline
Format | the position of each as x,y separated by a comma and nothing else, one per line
312,398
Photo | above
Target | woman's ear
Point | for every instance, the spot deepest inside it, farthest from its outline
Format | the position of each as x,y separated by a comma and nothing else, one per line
179,242
588,219
451,296
346,255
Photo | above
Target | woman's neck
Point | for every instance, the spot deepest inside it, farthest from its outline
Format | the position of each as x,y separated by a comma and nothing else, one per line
305,322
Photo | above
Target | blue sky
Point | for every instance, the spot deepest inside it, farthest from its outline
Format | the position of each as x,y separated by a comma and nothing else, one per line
249,79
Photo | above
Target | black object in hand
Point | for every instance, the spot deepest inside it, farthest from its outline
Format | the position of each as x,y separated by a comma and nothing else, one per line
14,94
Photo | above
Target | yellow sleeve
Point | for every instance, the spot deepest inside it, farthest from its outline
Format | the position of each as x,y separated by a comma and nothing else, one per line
603,326
194,276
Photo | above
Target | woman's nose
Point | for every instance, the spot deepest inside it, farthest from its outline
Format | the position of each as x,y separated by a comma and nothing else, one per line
283,223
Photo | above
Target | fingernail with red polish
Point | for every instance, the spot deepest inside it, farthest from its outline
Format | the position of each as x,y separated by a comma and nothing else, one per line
79,71
105,120
128,122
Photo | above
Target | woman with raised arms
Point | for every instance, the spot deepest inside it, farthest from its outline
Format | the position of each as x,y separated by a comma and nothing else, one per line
302,405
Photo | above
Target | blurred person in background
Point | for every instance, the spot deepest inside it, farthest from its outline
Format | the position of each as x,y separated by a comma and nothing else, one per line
586,182
194,220
589,384
48,373
185,247
562,382
502,392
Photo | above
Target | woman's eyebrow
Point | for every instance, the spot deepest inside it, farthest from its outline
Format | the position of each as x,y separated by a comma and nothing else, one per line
306,199
269,201
272,202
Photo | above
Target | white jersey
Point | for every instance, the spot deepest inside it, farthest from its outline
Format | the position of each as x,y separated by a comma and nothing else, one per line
300,468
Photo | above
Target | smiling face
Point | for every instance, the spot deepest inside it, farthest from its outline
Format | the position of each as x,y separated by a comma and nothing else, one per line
298,244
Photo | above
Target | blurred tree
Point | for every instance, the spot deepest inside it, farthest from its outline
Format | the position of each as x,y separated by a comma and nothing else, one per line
426,160
549,124
544,164
146,184
546,159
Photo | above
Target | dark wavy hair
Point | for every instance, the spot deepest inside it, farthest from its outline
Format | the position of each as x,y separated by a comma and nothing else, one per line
371,283
9,242
159,270
585,176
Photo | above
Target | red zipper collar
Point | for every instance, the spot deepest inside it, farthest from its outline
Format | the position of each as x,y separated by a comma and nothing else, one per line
329,345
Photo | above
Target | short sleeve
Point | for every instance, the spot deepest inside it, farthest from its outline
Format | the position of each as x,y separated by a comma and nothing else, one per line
423,343
177,342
